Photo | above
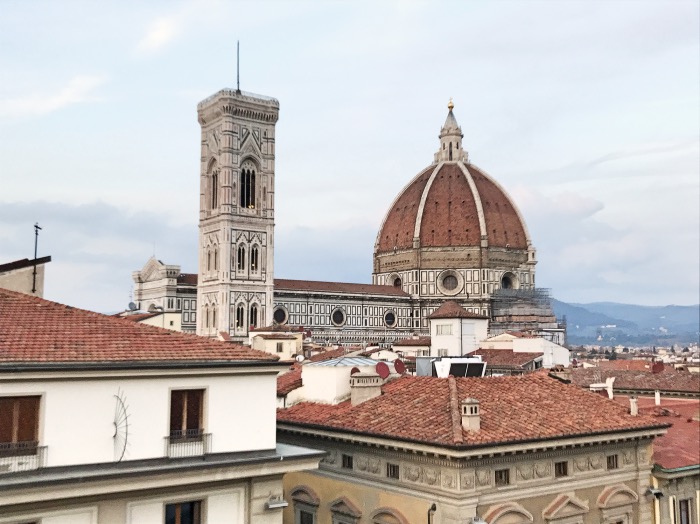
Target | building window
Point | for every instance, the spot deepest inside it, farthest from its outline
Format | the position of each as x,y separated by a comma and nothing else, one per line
684,512
247,187
338,317
19,424
280,347
186,414
254,315
239,316
214,200
254,258
347,461
561,469
443,329
184,513
502,477
390,319
216,259
612,462
280,315
241,258
305,517
392,470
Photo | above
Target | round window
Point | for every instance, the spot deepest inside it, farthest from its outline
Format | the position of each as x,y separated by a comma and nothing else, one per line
390,318
450,282
280,315
338,317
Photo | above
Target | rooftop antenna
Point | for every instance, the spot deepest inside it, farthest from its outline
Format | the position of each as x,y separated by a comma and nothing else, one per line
36,242
238,67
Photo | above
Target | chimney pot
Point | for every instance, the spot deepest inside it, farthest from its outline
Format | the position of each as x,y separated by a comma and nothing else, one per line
471,414
634,407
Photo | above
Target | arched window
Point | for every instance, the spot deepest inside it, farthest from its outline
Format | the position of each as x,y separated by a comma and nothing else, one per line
208,260
206,316
254,258
241,258
254,315
247,186
213,317
216,259
214,193
450,150
240,313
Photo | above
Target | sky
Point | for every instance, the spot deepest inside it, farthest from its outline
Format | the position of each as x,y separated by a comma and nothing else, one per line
588,113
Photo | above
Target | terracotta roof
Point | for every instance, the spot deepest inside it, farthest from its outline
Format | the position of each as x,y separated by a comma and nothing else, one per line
631,365
187,278
337,287
450,214
278,328
418,341
288,382
331,354
451,309
639,380
25,262
680,446
513,409
521,334
506,358
34,330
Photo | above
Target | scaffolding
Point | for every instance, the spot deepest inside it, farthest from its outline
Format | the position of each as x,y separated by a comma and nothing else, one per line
528,310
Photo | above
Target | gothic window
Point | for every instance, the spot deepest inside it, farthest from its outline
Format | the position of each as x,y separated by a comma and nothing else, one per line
241,258
450,150
214,194
216,259
239,316
206,317
208,260
254,315
213,317
254,258
247,186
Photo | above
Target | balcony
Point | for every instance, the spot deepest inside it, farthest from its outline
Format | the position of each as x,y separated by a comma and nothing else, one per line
187,443
21,456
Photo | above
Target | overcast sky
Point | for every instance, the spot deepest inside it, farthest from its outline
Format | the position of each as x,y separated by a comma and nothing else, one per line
586,112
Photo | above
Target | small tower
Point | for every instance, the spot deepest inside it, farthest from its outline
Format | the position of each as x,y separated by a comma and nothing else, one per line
451,140
471,414
236,213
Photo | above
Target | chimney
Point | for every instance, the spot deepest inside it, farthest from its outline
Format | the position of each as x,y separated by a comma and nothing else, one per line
609,386
471,414
657,397
364,386
634,408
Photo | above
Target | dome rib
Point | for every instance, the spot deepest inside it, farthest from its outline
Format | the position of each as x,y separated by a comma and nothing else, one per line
477,200
423,198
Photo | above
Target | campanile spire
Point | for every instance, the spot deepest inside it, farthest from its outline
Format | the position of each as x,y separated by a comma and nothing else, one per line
451,139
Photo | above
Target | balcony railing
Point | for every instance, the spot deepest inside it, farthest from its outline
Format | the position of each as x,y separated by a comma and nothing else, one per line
187,443
21,456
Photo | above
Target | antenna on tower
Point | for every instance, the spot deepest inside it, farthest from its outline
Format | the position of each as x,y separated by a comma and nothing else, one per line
238,67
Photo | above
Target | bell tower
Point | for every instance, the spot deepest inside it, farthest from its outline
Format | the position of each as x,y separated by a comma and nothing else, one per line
236,213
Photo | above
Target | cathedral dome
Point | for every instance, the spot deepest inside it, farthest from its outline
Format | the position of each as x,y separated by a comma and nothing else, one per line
453,204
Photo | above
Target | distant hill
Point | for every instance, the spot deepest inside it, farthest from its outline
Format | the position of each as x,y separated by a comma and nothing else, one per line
611,323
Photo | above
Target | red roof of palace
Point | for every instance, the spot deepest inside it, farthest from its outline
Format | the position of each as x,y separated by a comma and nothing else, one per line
34,330
503,358
513,409
451,309
337,287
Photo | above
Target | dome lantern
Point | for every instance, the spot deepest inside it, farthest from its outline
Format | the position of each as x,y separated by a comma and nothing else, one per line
451,140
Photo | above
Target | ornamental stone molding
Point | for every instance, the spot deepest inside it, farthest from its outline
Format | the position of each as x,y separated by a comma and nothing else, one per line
525,472
467,480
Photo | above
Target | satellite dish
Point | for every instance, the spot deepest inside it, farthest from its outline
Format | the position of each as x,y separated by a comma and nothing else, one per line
354,370
299,358
399,366
382,369
132,306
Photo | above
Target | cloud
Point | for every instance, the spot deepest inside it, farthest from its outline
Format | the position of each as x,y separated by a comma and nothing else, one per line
79,89
161,33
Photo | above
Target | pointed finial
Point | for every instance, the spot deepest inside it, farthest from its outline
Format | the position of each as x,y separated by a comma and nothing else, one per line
450,104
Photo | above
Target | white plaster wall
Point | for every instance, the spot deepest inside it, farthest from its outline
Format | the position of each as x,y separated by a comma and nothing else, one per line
164,319
21,280
78,516
327,384
450,342
143,512
76,417
225,508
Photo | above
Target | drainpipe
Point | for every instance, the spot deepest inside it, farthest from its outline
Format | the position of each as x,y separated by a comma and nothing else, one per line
431,510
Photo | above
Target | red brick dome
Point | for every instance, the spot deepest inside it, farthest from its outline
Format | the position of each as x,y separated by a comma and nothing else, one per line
452,204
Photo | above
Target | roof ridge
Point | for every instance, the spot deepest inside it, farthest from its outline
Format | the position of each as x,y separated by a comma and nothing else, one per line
457,435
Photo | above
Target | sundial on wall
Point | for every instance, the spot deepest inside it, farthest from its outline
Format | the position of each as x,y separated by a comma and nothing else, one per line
121,425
